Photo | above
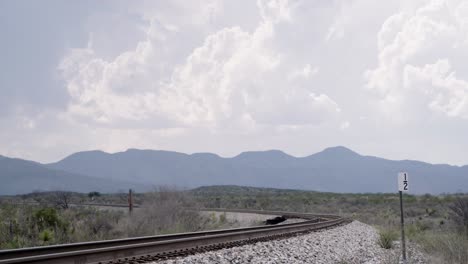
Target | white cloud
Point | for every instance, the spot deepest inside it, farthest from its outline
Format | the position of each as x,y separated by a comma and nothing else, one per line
305,72
336,31
446,94
274,11
234,76
345,125
418,49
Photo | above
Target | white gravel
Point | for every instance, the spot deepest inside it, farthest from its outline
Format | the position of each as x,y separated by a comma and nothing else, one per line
351,244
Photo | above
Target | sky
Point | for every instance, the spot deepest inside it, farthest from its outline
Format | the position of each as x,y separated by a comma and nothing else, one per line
384,78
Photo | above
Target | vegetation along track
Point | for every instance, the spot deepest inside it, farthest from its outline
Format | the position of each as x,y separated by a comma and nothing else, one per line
150,248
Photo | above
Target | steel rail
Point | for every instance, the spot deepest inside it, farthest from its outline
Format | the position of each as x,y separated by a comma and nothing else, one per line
24,252
130,248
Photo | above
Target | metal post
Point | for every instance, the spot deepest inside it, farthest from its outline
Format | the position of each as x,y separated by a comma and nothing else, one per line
403,246
12,234
130,201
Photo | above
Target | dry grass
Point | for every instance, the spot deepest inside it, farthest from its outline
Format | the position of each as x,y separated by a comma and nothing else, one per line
386,238
446,248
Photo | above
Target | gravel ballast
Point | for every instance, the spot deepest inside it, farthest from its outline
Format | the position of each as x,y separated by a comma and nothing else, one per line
352,243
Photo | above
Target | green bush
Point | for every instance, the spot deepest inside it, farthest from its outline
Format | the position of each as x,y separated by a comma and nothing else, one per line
46,236
46,217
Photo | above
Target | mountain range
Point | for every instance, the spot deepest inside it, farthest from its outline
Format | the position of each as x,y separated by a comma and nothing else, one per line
336,169
19,176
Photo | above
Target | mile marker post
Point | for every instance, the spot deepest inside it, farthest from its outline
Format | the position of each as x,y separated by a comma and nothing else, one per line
402,187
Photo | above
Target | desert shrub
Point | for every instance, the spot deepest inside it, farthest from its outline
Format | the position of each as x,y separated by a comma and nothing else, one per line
423,225
222,218
430,211
446,247
46,237
46,217
412,231
165,211
386,238
459,213
93,224
99,225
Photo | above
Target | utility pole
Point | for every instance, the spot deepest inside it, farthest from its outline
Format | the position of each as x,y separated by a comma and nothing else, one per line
130,201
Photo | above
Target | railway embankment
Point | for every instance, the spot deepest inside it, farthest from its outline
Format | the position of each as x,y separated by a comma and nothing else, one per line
351,244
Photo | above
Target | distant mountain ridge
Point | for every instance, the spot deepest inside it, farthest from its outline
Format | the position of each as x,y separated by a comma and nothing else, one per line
19,176
335,169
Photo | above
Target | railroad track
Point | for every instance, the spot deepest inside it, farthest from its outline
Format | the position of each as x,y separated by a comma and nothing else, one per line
151,248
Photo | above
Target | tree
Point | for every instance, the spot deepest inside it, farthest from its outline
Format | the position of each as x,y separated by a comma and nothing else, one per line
460,212
62,199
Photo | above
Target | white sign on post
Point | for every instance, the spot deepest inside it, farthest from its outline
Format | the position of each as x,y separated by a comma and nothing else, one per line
403,184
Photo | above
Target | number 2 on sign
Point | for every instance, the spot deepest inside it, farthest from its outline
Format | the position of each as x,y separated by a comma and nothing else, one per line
405,183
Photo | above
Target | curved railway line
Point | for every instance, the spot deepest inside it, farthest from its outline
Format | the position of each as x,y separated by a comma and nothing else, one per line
151,248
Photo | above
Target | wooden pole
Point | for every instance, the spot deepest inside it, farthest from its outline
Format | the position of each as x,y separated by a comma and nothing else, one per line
130,201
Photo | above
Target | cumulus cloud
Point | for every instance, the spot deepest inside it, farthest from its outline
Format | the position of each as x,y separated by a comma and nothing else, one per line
446,94
234,76
124,89
419,52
